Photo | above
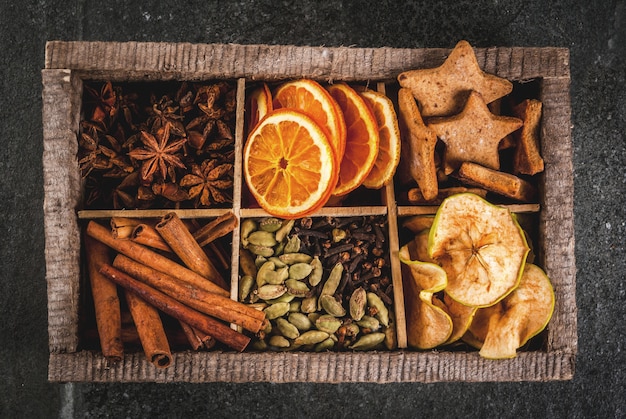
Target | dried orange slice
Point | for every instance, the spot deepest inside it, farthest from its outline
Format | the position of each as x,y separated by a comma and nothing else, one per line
258,104
362,138
309,97
289,165
389,132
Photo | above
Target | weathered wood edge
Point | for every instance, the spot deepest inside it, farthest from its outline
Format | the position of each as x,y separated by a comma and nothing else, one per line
329,367
146,61
556,220
62,190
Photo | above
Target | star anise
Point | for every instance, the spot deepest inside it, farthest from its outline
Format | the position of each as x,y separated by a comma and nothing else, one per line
159,154
209,183
104,102
207,98
165,112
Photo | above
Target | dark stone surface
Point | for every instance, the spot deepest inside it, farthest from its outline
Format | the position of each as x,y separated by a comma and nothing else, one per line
595,32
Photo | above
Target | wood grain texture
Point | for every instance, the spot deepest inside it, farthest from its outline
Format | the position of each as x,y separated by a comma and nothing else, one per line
68,63
329,367
62,191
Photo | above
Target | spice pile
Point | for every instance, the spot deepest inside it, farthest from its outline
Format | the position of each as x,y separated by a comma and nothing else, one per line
166,145
323,283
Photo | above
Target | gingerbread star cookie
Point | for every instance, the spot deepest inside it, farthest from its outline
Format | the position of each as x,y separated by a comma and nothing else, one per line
473,135
418,145
442,91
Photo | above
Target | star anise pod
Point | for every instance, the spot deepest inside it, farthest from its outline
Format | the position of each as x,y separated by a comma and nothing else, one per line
207,98
209,183
104,102
165,112
158,154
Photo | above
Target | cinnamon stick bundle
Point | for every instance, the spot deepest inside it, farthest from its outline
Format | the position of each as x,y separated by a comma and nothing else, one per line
178,237
174,308
148,236
106,301
150,258
150,329
214,305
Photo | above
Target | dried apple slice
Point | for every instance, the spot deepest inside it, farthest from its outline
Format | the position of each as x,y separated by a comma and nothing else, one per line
428,324
503,328
461,316
480,246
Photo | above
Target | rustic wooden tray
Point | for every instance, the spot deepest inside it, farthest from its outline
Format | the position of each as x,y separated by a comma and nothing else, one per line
67,64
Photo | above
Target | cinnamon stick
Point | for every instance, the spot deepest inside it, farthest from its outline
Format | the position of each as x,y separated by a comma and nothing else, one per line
196,338
122,227
148,236
214,305
106,301
150,329
174,308
177,235
150,258
215,229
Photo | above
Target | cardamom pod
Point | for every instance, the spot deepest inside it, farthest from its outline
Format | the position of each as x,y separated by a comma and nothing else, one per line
246,282
300,320
285,298
277,262
317,271
327,323
358,302
246,263
259,250
296,287
270,291
292,245
311,337
294,306
262,238
291,258
284,230
300,270
247,226
332,306
270,224
368,341
309,305
382,313
259,345
279,341
287,329
325,345
369,322
331,284
276,310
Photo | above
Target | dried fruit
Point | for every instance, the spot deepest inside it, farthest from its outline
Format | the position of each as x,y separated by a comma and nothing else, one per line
480,246
289,165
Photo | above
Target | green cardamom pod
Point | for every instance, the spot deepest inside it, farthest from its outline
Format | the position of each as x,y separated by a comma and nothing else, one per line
300,320
287,329
369,322
291,258
246,282
332,306
331,284
296,287
327,323
382,313
284,230
309,305
258,250
300,270
317,271
262,238
276,310
247,227
358,302
367,342
278,341
270,291
311,337
325,345
270,224
292,245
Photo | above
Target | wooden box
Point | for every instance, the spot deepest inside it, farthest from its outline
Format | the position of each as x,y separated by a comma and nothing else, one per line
68,64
